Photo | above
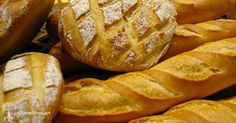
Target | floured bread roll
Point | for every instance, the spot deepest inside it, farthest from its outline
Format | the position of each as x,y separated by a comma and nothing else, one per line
117,35
31,88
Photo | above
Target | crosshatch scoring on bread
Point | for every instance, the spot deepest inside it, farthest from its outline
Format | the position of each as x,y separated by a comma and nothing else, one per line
115,34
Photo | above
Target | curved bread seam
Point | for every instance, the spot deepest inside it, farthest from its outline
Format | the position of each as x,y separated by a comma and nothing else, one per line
162,89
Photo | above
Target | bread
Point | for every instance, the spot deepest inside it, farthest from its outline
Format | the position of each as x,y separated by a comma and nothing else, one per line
31,89
20,20
232,14
120,35
190,36
197,111
52,21
68,64
191,75
194,11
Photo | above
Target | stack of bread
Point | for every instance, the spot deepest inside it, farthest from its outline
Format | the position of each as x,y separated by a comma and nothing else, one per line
117,61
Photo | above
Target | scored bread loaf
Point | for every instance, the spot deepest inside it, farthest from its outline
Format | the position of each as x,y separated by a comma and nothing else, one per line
31,89
194,11
20,21
197,111
190,36
191,75
117,35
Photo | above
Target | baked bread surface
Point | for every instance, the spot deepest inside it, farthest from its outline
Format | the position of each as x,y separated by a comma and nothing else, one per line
191,75
31,88
196,111
117,35
20,21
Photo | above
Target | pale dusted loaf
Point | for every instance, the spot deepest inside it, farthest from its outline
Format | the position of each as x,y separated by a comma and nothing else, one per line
191,75
31,89
190,36
20,21
119,35
197,111
194,11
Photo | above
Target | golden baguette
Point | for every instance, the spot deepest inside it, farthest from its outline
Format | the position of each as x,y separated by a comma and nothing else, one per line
195,74
194,11
196,111
31,89
190,36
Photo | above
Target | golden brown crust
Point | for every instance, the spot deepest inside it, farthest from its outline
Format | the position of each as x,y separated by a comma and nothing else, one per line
207,69
19,22
190,36
106,35
196,111
194,11
31,89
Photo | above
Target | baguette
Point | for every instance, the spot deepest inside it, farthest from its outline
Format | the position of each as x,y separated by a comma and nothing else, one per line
20,21
197,111
194,11
190,36
117,35
191,75
31,89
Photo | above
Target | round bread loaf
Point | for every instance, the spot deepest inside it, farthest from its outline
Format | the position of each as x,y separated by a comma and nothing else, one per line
31,88
20,20
117,35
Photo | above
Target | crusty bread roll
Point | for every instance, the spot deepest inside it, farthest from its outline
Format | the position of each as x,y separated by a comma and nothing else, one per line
119,35
194,11
31,89
197,111
20,20
190,36
191,75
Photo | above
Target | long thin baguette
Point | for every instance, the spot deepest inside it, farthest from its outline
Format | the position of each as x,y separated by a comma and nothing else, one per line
197,111
194,11
195,74
189,36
